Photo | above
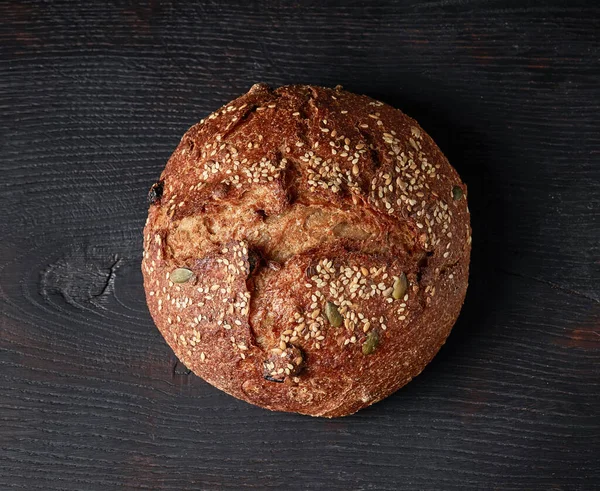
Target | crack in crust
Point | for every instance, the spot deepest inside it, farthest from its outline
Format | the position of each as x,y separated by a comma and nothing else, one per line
370,142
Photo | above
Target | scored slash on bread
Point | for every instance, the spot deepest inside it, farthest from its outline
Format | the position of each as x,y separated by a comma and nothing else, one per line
307,249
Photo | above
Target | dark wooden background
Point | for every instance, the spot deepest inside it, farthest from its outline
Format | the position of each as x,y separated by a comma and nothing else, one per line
94,96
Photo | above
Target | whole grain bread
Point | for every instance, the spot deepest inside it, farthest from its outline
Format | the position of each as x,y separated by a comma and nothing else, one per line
307,249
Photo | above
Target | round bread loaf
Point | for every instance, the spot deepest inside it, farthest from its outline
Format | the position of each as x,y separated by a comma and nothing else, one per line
306,249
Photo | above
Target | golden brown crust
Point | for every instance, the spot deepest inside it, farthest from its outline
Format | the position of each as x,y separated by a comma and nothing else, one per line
307,249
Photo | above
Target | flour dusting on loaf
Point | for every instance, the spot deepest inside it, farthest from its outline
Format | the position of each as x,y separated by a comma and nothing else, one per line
307,249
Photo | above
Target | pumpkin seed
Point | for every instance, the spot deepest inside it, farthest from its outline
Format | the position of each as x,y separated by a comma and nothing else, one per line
181,275
333,315
400,286
371,343
457,193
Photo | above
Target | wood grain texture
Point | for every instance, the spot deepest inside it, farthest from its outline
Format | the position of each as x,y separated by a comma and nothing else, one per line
94,96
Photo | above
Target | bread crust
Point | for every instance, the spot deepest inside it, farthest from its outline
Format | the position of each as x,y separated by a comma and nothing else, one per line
307,249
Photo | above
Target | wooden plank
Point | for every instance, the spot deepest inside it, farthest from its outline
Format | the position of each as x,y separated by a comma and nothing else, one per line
95,96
